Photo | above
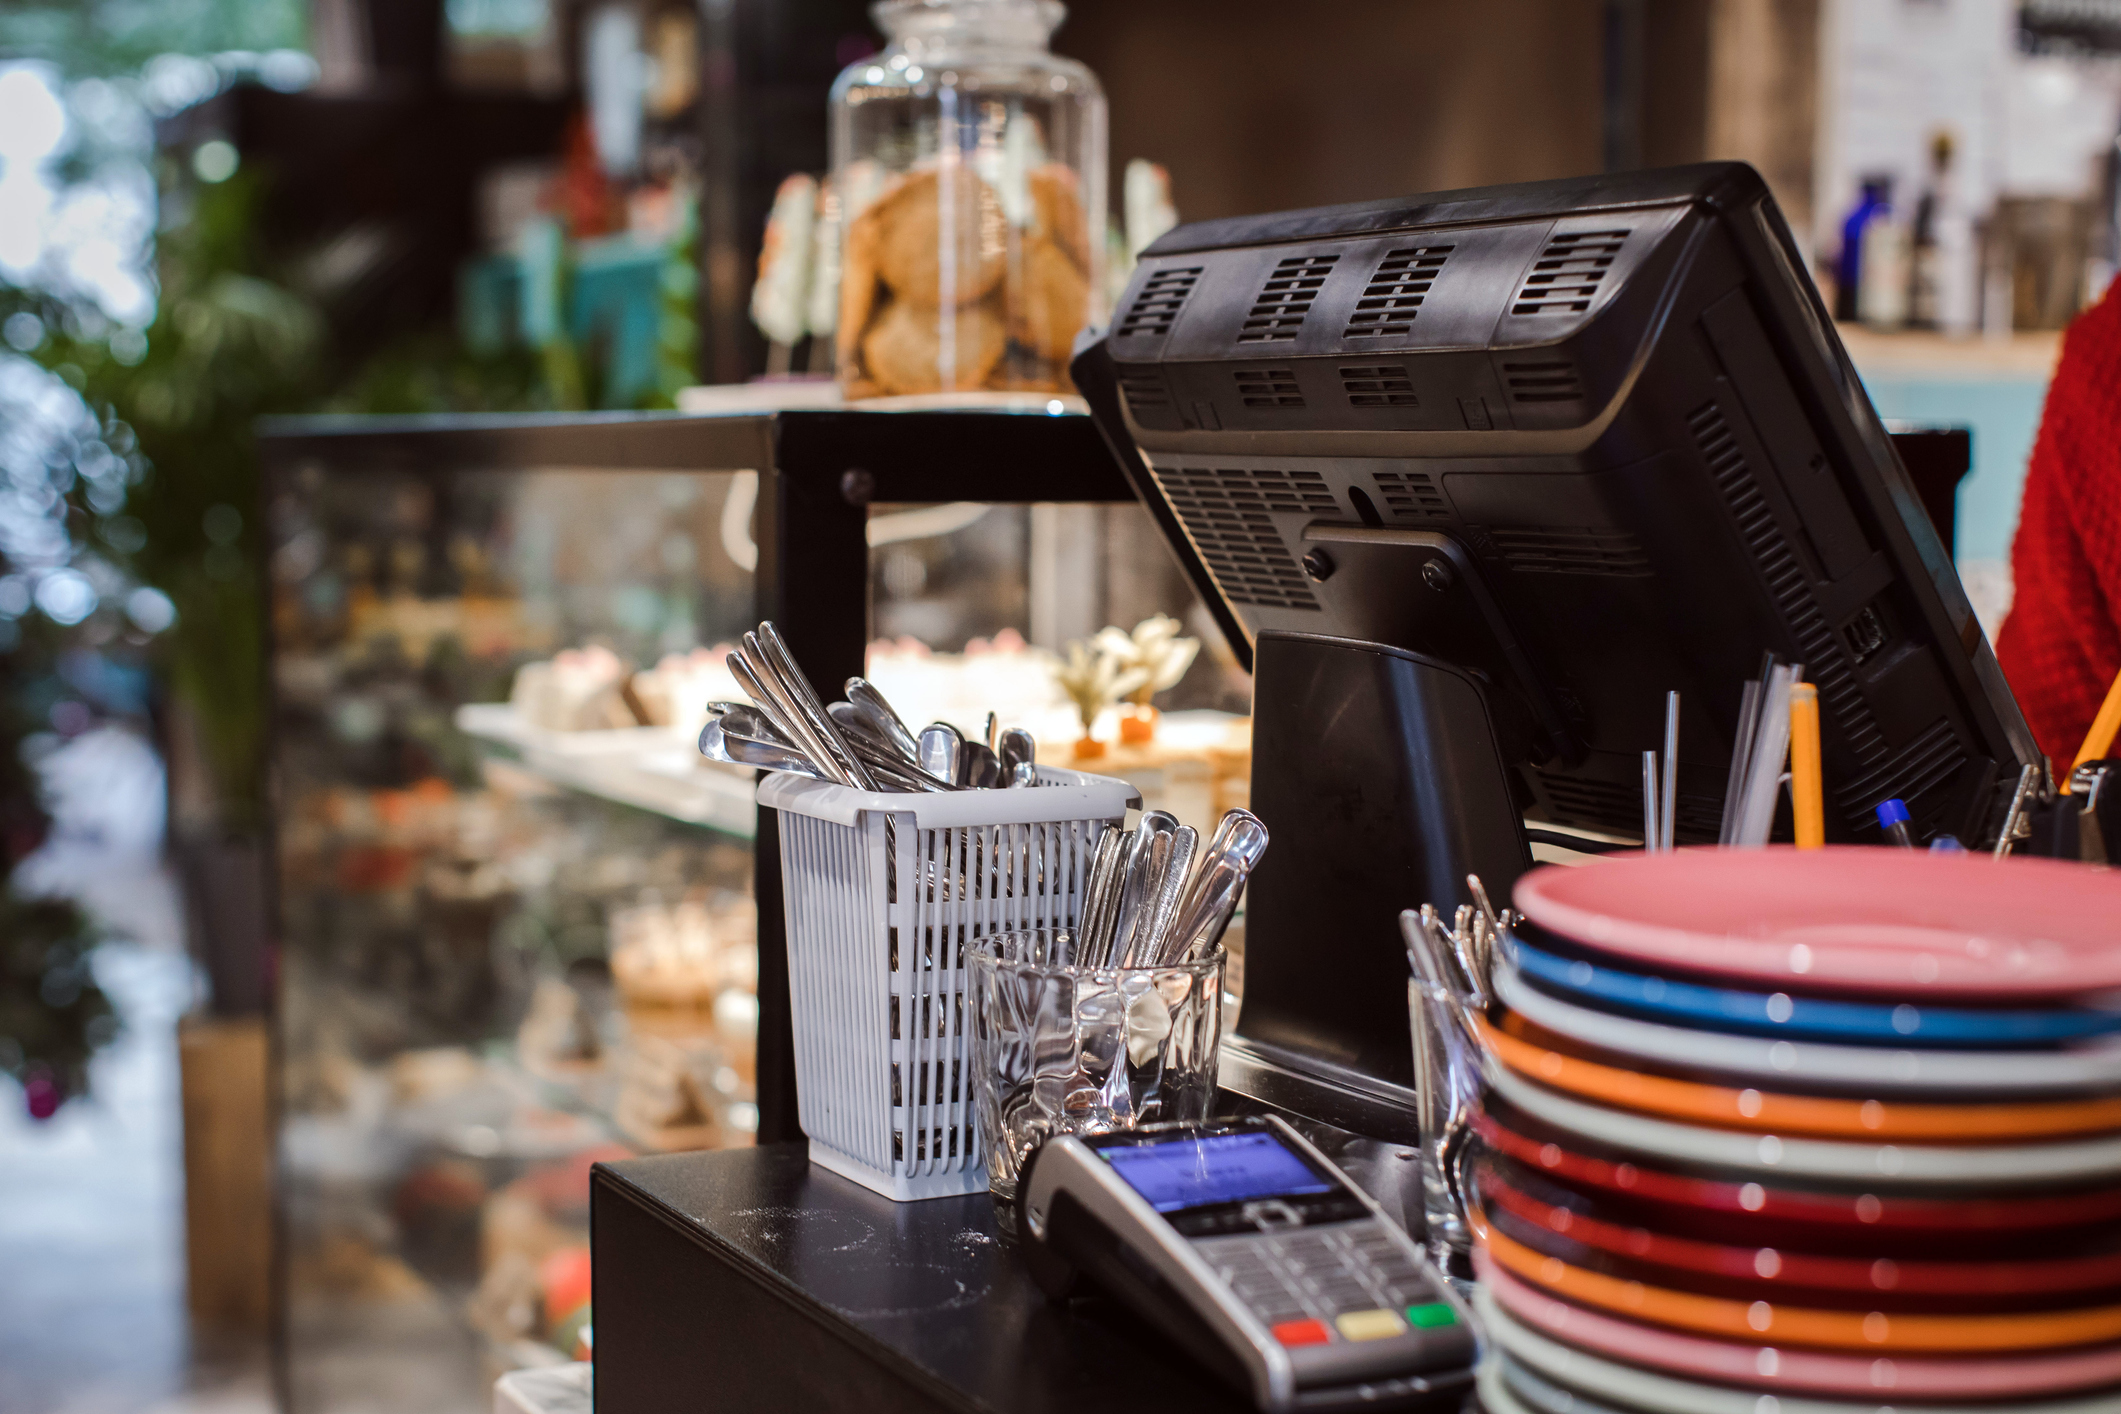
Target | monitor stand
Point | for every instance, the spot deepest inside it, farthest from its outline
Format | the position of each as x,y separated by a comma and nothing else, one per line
1377,773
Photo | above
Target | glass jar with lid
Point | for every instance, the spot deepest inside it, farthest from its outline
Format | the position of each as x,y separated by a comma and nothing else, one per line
968,165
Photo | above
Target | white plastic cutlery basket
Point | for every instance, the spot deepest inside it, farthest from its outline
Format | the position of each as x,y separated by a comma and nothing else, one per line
884,894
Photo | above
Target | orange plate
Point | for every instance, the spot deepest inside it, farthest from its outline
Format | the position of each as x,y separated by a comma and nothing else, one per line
1768,1112
1771,1323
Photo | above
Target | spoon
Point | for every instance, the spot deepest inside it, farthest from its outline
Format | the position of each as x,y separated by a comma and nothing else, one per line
1204,911
938,748
878,755
719,745
1017,747
747,720
875,710
978,766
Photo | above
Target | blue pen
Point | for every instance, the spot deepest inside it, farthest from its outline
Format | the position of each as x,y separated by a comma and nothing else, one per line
1893,818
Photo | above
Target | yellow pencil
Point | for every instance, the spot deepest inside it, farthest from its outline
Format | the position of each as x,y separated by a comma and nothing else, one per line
2100,739
1807,796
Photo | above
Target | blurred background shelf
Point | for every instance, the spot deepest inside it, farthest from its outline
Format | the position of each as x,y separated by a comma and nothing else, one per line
649,768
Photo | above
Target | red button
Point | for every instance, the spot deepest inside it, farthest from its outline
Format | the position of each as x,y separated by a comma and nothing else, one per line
1302,1333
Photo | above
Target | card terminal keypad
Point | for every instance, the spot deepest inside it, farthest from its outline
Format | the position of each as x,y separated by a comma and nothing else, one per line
1317,1273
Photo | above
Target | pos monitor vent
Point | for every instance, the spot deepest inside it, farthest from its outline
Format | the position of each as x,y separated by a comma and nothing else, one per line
1230,517
1542,381
1156,304
1285,299
1393,297
1378,385
1269,388
1568,272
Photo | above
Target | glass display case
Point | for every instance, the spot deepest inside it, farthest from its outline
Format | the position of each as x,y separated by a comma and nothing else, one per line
523,924
516,917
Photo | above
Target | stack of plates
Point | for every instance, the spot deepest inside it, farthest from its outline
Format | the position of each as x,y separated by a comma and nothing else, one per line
1833,1131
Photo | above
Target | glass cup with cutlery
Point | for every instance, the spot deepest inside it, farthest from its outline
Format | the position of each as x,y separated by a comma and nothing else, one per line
1061,1046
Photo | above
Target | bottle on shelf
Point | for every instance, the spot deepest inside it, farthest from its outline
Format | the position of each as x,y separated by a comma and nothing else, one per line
1943,271
1882,277
1876,199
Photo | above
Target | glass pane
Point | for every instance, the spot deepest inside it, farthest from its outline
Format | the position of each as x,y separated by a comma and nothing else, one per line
517,933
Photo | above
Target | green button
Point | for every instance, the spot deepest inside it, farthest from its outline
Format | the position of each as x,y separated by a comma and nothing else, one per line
1436,1313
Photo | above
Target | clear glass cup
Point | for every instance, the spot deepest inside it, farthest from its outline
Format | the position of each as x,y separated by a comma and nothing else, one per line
1061,1049
1447,1079
968,170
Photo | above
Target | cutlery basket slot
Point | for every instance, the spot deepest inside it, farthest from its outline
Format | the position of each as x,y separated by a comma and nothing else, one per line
883,895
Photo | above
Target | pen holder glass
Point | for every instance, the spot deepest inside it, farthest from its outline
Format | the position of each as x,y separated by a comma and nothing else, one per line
1062,1049
1447,1080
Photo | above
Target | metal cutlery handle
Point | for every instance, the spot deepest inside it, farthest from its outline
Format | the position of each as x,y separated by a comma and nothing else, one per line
877,710
766,691
1144,858
1100,898
1152,939
777,659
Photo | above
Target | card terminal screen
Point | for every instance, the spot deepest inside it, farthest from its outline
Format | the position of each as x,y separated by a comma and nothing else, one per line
1214,1168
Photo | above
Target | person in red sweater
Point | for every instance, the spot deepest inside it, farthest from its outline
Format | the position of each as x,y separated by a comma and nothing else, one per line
2061,645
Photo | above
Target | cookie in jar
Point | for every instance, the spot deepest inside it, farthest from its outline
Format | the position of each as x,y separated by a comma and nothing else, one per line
970,258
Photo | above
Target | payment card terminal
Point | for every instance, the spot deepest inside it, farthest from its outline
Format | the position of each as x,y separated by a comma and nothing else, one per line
1249,1249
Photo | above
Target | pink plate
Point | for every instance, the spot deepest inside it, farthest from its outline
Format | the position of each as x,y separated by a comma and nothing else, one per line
1848,919
1790,1371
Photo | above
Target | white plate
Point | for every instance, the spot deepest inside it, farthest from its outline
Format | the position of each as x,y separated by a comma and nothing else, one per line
1496,1396
1902,1165
1875,1067
1568,1369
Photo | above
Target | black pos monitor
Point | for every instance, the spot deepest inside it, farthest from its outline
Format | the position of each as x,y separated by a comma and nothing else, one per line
1470,481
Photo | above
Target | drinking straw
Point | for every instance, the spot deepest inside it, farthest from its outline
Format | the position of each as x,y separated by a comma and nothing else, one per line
1771,747
1807,800
1741,755
1652,836
2100,739
1668,810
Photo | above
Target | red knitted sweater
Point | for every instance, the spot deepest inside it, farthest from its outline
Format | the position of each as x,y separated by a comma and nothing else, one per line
2061,645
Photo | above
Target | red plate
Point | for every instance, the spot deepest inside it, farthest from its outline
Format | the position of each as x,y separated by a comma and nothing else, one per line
1682,1260
1858,1211
1875,922
1812,1371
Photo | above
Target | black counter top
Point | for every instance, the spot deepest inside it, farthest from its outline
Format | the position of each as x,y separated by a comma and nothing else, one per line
749,1279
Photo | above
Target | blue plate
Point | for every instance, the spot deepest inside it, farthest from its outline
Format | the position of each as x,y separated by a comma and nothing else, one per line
1805,1018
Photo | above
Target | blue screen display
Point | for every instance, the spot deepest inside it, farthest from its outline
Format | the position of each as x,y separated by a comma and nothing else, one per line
1219,1168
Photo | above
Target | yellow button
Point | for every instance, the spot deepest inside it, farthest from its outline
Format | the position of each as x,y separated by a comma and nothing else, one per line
1369,1325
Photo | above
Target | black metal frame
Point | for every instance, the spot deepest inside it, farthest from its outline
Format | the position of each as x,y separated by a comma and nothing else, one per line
819,471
